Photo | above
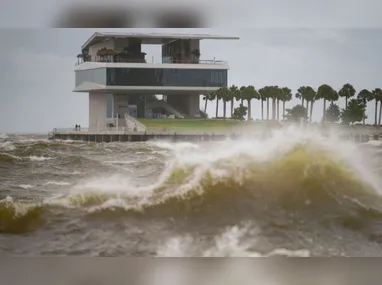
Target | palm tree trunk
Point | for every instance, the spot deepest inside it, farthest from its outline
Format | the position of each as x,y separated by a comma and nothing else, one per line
364,113
346,103
232,107
224,108
273,109
283,110
311,111
380,113
323,116
302,101
217,107
262,110
376,112
267,109
278,110
249,109
205,106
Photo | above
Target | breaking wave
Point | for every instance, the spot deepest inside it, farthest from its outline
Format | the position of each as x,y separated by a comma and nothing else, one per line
18,218
290,176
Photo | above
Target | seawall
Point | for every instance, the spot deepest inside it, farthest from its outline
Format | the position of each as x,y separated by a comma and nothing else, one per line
181,137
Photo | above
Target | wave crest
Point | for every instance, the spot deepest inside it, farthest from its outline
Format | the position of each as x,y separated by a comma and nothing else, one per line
304,179
18,218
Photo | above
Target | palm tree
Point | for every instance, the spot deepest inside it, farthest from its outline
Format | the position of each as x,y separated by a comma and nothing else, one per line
326,93
224,94
310,96
334,97
278,99
274,94
286,96
215,96
263,98
267,96
241,95
235,93
377,94
300,94
206,98
365,96
347,91
248,94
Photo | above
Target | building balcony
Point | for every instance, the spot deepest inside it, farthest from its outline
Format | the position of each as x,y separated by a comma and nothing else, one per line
143,60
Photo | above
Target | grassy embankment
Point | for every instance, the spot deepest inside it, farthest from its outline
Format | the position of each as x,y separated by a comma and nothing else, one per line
190,125
215,125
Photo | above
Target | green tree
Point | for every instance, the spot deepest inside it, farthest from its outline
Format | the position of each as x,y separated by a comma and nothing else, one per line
377,96
296,113
286,96
347,91
300,94
365,96
215,96
239,113
310,97
225,95
327,93
235,94
207,97
241,95
274,94
267,96
355,112
263,98
248,94
333,113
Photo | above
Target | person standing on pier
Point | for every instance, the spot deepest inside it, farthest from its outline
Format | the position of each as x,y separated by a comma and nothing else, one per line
76,127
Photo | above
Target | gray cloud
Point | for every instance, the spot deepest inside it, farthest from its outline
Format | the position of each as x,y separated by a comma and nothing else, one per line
222,13
37,76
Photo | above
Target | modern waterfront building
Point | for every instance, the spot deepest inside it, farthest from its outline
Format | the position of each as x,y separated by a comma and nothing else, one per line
123,84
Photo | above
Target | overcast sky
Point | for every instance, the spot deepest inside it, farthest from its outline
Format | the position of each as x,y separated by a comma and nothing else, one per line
37,77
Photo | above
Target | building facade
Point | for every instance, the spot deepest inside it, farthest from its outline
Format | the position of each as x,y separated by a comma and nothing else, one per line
123,84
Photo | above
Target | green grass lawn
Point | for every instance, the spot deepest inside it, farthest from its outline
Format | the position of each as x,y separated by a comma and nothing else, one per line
189,124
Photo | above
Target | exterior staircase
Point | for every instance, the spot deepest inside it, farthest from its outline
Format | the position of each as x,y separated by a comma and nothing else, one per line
132,123
167,107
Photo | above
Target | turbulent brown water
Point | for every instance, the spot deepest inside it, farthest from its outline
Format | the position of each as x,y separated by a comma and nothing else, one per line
295,193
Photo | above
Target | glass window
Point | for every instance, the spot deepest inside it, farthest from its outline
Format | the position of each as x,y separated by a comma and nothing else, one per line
97,75
166,77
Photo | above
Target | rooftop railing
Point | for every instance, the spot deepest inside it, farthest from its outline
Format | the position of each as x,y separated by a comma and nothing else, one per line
150,60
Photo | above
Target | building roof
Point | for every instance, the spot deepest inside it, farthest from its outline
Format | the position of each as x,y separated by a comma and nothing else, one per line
152,38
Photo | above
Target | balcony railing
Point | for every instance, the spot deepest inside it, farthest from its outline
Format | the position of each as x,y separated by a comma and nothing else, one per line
150,60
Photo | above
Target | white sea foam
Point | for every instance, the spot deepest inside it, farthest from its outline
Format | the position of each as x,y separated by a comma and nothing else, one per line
375,143
58,183
26,186
3,136
236,241
39,158
7,146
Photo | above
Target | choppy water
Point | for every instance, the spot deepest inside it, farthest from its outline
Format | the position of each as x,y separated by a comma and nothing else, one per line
295,193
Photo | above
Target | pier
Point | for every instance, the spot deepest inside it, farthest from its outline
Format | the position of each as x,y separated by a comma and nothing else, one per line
109,137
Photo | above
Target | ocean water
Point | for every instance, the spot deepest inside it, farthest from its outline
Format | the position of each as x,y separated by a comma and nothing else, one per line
294,193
